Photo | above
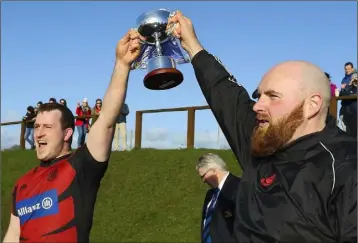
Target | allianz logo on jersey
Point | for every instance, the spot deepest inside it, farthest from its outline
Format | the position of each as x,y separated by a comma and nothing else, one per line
46,203
40,205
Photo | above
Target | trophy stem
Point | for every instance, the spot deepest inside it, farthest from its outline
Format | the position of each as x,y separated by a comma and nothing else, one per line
157,43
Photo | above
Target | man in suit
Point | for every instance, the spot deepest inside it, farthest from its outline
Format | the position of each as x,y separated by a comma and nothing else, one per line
219,204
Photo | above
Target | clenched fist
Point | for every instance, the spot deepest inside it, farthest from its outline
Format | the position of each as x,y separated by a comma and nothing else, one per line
183,29
128,48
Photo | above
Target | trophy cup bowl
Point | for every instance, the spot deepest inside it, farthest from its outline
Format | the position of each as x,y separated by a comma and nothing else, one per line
162,73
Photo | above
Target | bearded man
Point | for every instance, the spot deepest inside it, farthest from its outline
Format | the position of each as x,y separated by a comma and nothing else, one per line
299,180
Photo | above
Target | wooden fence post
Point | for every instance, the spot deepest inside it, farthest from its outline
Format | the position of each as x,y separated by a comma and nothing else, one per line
190,129
333,107
22,135
138,130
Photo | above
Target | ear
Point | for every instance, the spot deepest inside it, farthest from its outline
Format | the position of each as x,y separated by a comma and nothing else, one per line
68,134
313,106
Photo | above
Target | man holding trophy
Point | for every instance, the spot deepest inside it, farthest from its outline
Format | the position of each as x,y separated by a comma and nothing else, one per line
54,202
300,179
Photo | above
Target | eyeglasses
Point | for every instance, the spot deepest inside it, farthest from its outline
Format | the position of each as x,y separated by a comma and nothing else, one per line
202,176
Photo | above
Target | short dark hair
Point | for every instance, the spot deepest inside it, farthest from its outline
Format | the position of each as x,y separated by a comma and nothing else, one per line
53,100
31,109
327,75
348,64
64,102
67,119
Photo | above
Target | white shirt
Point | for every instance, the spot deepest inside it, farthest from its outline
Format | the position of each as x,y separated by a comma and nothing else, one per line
221,184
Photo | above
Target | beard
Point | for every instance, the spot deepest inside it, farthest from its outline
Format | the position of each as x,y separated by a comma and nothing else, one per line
266,141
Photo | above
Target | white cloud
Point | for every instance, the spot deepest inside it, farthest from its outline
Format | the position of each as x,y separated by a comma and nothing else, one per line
11,116
162,138
10,134
157,134
9,137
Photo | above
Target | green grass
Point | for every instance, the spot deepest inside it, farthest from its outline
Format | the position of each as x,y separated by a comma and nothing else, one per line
146,195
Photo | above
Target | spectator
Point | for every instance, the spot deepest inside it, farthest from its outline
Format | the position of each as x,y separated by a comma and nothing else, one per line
333,86
219,205
63,102
120,131
349,113
52,100
96,111
37,107
82,123
349,71
29,119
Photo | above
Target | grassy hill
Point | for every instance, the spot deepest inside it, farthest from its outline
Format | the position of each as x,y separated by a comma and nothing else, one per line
146,196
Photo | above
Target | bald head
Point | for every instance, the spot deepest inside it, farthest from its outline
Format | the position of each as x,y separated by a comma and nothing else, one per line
302,79
294,97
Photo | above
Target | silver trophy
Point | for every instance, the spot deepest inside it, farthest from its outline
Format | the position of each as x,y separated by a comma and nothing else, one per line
160,52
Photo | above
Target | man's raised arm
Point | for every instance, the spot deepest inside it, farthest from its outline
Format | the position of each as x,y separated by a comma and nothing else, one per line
100,137
229,101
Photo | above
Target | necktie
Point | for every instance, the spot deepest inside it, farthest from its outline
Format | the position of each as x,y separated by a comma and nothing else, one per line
209,212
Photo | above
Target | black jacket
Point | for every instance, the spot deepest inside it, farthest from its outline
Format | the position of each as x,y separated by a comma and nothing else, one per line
28,119
222,222
307,192
349,107
122,117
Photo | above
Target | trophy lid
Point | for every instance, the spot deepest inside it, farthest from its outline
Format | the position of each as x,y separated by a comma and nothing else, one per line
154,21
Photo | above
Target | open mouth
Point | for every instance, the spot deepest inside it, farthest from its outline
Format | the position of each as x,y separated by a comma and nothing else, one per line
41,144
262,122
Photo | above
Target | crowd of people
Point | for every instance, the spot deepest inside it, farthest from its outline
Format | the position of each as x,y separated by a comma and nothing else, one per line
87,116
299,180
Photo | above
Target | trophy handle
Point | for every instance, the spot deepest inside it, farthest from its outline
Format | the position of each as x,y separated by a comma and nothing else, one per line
169,31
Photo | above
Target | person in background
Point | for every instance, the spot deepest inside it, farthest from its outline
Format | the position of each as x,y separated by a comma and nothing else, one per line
96,111
63,102
120,132
349,113
333,86
52,100
349,71
218,212
82,123
29,119
37,107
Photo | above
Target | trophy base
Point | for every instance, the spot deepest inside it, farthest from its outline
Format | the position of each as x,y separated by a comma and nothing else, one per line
163,78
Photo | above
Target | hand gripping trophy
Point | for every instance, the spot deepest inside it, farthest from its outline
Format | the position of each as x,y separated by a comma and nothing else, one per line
160,52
